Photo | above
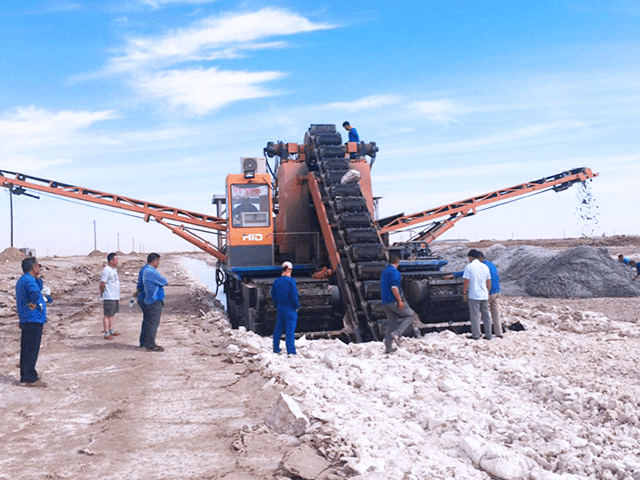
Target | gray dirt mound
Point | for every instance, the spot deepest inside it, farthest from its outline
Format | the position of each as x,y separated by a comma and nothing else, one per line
97,253
582,272
11,253
516,264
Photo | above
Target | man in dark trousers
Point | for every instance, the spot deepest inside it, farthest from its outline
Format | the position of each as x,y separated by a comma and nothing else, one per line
153,284
284,295
32,311
139,295
394,304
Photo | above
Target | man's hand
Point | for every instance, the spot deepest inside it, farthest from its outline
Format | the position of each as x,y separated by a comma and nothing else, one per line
400,304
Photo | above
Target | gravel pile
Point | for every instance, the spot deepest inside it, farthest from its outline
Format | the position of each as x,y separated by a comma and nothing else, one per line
580,272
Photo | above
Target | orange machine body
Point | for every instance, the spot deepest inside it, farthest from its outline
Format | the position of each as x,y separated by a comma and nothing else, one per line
250,222
298,236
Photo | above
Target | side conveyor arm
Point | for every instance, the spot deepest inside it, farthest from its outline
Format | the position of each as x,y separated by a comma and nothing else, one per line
159,213
558,182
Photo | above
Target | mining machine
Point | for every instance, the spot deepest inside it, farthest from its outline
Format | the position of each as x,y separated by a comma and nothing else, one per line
312,203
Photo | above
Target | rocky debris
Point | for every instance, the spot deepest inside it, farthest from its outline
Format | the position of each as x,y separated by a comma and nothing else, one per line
556,402
305,463
287,417
97,253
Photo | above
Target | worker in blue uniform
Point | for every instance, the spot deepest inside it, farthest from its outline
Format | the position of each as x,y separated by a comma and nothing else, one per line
284,295
31,300
353,136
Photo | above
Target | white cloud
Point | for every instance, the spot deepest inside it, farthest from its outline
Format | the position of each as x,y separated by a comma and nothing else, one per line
158,3
201,91
216,37
26,126
440,111
373,101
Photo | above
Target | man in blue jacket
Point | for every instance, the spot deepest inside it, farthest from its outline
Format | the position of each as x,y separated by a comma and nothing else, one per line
153,285
139,295
284,295
32,311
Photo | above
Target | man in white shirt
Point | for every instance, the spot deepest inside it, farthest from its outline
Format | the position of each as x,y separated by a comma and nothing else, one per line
477,283
110,291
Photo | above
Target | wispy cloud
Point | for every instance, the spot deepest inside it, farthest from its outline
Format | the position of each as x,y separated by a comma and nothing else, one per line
159,3
373,101
154,64
27,126
216,37
440,111
201,91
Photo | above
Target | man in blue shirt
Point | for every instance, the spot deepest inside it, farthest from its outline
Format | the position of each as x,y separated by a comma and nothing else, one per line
624,260
494,296
394,304
284,295
152,284
140,300
32,312
353,136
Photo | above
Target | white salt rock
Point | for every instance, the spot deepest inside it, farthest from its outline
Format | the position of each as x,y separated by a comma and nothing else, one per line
287,417
538,473
330,359
448,384
577,442
497,460
421,374
554,448
233,349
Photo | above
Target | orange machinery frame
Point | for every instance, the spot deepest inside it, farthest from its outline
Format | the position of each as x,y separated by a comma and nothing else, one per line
160,213
459,210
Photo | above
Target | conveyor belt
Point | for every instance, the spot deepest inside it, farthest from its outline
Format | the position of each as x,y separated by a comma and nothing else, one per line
362,253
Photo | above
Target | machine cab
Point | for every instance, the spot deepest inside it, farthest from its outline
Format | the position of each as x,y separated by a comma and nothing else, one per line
250,224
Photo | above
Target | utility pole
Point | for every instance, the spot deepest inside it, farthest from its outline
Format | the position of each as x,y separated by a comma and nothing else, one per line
95,240
17,191
11,212
118,241
133,248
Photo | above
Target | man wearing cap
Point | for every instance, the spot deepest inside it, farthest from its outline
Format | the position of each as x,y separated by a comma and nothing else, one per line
284,295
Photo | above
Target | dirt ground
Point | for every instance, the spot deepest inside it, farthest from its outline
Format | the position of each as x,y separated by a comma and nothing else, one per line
113,410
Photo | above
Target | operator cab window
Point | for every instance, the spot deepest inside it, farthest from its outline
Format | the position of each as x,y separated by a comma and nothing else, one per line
250,205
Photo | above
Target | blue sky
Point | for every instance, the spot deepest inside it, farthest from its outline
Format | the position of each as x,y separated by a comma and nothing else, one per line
158,100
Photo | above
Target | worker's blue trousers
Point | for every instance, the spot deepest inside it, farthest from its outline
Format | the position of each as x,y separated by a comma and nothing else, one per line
286,319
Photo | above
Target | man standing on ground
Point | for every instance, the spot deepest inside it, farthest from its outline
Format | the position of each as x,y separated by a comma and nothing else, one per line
152,284
110,291
477,283
353,136
494,297
140,300
394,304
284,295
32,311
